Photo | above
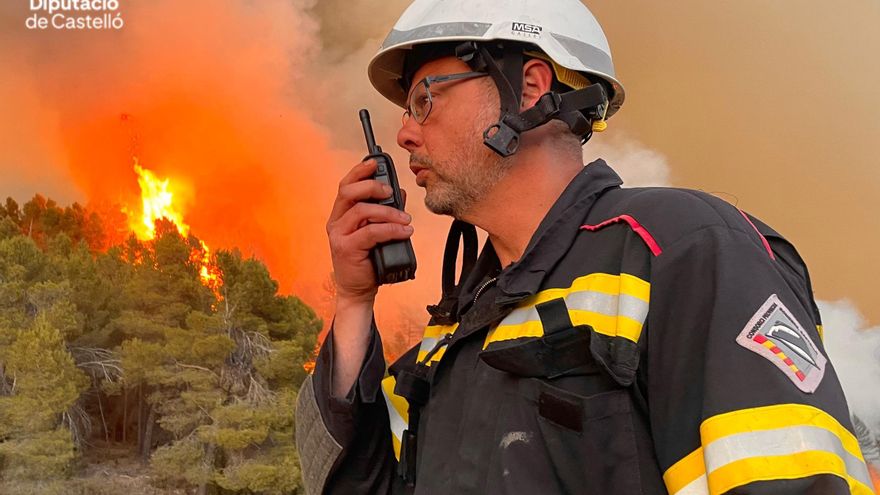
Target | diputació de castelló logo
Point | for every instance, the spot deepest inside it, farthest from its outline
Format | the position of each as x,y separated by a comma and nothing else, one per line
74,15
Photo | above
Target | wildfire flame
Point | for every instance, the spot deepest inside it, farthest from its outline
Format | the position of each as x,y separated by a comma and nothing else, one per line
158,202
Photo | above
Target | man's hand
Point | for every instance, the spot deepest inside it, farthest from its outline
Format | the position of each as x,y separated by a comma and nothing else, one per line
354,228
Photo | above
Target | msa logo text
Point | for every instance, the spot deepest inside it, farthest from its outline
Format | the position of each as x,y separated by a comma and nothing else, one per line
530,30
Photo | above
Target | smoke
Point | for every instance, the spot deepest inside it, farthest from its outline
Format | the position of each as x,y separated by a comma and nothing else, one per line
31,154
854,350
636,164
204,93
249,109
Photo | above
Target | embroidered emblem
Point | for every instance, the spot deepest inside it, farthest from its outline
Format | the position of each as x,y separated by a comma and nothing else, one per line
774,333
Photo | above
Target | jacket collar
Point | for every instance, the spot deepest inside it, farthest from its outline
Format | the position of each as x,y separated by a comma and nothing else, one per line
548,244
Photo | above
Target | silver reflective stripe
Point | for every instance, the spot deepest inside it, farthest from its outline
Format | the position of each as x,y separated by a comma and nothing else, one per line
589,55
428,343
697,487
597,302
397,423
317,448
779,442
440,30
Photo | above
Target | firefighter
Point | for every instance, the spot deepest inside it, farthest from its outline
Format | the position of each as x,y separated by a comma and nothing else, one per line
605,340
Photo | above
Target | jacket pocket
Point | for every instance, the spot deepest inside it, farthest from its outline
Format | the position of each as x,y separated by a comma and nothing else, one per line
564,425
566,352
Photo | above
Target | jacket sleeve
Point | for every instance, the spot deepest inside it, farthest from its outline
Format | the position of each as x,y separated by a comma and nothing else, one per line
742,399
344,443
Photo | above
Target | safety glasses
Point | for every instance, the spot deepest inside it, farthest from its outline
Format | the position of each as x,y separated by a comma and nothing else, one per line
420,101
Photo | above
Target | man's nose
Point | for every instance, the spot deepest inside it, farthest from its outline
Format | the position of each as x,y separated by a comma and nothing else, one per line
409,137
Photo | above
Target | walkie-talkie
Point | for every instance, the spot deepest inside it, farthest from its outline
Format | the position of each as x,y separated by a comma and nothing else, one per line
393,261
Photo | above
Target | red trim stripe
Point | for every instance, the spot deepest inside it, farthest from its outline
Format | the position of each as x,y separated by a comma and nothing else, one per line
633,224
763,239
775,350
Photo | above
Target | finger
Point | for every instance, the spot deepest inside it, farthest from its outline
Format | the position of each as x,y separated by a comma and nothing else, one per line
363,213
367,237
359,172
351,194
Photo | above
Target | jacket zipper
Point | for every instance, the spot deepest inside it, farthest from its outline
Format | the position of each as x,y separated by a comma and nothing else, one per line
480,290
447,338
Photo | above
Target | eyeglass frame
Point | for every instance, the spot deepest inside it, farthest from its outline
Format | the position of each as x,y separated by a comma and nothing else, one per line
427,81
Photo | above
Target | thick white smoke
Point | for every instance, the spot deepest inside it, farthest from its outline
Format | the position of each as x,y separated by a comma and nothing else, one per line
637,165
854,350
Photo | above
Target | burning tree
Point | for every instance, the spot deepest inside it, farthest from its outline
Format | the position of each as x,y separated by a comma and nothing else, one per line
190,357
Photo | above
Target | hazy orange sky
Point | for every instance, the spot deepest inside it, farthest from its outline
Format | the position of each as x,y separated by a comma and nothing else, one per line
250,107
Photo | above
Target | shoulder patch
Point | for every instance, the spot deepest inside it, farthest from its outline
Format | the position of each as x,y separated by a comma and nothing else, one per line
774,333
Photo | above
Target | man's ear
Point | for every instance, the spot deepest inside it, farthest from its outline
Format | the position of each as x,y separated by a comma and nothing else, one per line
537,79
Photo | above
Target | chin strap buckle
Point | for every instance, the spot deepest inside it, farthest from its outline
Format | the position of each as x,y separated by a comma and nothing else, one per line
503,137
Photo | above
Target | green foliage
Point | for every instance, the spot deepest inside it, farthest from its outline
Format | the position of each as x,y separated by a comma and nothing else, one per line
47,381
128,343
45,455
46,384
275,474
8,228
139,359
182,461
42,219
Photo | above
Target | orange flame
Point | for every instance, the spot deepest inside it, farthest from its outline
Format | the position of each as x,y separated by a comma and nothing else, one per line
209,272
158,202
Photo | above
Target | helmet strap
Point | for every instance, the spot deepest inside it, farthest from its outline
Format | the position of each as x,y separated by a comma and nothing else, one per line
464,234
503,137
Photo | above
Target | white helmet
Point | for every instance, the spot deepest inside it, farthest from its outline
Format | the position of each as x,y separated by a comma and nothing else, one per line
565,30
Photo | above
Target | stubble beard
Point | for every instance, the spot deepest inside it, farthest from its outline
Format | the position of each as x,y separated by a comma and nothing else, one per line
466,177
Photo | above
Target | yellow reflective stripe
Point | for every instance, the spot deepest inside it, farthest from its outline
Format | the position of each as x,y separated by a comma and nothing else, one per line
436,357
783,467
605,283
613,326
398,407
435,331
431,337
634,286
596,282
773,417
784,441
510,332
821,332
398,412
685,471
614,305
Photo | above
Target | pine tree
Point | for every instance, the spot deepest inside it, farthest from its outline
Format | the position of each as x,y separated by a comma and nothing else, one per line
46,384
131,339
241,438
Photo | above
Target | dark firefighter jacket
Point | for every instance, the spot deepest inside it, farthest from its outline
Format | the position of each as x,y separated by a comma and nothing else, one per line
686,358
